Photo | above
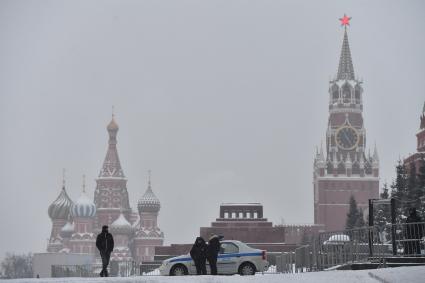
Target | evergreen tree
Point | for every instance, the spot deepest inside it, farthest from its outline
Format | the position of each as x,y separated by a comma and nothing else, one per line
399,192
421,186
352,215
360,223
382,215
17,266
385,194
421,175
412,193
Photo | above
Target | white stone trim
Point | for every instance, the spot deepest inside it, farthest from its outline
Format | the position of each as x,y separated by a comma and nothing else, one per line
345,178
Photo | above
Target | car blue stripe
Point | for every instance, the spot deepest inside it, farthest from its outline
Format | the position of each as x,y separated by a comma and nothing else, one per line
184,259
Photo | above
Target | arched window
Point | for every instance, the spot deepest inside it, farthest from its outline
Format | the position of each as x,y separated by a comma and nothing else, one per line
356,168
357,94
341,168
335,93
368,168
329,167
346,93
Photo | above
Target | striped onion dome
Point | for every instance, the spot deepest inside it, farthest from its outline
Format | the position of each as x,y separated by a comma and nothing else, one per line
84,207
61,207
149,202
67,230
121,225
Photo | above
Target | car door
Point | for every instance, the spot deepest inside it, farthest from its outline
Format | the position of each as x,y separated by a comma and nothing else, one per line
191,267
228,258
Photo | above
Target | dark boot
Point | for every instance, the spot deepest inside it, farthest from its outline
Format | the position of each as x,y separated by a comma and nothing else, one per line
105,273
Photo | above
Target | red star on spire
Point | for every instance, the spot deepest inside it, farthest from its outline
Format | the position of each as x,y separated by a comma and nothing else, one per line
345,21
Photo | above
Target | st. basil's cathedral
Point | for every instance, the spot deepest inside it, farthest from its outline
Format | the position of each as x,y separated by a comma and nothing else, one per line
75,225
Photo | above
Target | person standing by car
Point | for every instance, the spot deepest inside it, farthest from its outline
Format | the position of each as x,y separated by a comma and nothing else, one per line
212,253
199,255
105,245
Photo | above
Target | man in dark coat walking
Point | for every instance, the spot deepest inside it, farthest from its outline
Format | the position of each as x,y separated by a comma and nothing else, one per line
413,233
105,245
199,255
212,253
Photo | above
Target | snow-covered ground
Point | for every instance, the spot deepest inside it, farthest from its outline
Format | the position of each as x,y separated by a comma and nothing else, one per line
414,274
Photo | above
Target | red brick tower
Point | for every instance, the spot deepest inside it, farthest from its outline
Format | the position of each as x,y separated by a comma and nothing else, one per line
421,134
111,196
346,169
419,155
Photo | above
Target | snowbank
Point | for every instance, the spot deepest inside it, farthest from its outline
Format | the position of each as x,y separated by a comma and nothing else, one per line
400,274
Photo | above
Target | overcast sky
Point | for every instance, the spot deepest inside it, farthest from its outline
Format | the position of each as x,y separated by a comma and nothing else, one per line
224,101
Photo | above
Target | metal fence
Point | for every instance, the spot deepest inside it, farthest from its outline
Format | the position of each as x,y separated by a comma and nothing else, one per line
149,269
74,271
115,269
348,246
409,239
364,245
326,250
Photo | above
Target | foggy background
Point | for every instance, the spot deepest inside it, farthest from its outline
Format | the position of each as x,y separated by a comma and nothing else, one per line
224,101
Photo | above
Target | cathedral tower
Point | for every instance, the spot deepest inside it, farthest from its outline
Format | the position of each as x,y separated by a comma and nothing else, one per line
418,157
76,225
111,196
346,169
148,234
83,211
421,133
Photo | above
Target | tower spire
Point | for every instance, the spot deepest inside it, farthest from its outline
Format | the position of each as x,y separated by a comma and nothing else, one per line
111,165
422,118
375,157
321,155
149,179
63,178
345,67
84,183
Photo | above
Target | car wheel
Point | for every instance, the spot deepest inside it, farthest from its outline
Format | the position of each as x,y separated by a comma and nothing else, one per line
178,270
247,269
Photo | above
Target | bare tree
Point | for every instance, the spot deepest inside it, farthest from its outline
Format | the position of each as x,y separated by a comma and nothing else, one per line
17,266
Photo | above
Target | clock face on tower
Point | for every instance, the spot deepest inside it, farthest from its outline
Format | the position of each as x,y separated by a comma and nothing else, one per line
347,138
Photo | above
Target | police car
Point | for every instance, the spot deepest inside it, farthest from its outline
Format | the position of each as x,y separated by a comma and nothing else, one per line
234,257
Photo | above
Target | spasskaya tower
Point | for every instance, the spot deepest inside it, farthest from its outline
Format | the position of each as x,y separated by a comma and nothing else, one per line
344,169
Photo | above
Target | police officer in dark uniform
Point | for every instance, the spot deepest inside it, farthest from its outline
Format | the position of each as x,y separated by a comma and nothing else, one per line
212,253
199,255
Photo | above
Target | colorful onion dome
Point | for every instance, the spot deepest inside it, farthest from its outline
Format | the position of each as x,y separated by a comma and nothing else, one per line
61,207
121,225
149,202
84,207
